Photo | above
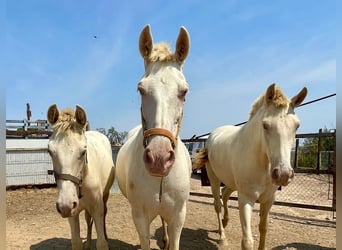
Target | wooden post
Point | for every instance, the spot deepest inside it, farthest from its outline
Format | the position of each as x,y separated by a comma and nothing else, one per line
28,113
25,128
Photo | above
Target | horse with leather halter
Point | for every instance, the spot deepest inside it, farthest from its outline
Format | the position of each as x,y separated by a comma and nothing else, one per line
153,166
84,172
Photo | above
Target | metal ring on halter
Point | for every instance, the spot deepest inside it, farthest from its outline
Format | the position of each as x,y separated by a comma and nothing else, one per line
162,132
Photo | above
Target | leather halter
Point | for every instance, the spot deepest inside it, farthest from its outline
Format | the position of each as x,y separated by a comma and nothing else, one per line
160,131
68,177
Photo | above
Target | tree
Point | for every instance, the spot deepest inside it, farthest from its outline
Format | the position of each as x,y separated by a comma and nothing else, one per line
115,137
308,152
327,142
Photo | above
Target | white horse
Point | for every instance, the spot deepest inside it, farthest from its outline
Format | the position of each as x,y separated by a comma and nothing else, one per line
153,167
253,159
84,171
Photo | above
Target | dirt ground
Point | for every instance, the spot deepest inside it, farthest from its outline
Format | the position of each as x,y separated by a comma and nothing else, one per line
33,223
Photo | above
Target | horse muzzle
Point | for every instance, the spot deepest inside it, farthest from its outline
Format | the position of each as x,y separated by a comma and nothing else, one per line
159,154
66,210
68,199
158,164
282,176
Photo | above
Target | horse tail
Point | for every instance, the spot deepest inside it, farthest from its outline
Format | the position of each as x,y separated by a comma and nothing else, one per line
201,158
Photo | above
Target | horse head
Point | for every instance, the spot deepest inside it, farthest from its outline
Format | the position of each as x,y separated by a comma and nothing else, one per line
278,126
163,88
68,150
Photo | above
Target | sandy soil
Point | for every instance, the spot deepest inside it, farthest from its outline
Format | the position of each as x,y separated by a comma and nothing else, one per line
33,223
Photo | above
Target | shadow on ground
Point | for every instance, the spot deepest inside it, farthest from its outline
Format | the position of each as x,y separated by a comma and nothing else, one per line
302,246
63,244
190,239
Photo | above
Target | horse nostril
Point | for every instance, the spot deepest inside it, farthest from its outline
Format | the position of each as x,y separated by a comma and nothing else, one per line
74,205
172,156
275,174
148,157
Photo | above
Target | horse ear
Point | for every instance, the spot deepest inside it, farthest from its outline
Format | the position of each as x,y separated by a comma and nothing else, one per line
81,116
52,114
182,44
299,98
146,42
270,93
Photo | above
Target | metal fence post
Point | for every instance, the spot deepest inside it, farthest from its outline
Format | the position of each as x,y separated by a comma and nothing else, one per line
334,174
319,146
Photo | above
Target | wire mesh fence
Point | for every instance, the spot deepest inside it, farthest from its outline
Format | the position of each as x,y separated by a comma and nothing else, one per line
314,160
309,189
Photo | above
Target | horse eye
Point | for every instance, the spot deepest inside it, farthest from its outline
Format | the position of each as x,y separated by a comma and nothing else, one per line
83,153
266,125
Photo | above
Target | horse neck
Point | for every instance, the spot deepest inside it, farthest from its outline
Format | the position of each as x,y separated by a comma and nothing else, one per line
252,138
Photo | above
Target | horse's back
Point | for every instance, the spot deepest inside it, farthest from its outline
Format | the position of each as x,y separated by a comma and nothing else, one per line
100,144
100,158
133,132
221,138
124,158
220,145
184,156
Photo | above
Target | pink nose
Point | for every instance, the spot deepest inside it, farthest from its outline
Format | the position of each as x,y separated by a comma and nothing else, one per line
66,210
158,164
282,177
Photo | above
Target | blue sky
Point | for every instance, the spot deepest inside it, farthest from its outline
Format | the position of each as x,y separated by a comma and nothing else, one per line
237,49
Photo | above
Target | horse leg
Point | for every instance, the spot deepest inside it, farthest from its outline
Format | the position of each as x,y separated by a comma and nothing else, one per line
105,199
226,192
263,224
89,221
142,224
175,225
98,215
166,239
245,212
215,184
76,241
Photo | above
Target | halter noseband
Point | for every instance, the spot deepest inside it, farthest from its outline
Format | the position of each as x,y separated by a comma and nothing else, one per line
68,177
160,131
